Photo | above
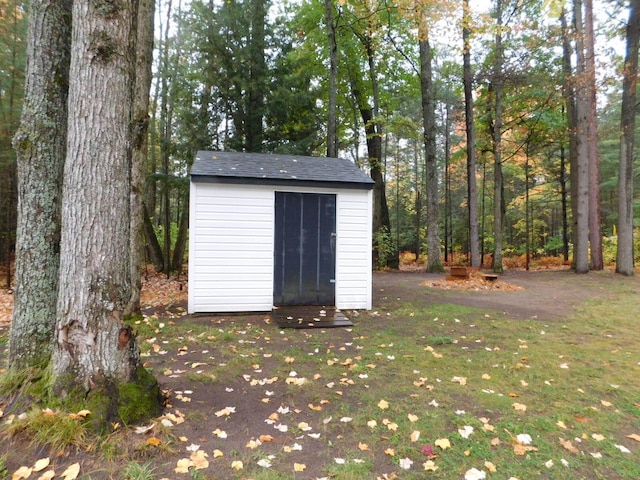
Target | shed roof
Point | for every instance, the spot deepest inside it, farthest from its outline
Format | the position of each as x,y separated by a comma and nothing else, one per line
275,169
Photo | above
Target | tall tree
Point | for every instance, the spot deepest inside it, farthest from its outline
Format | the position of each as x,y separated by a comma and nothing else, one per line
332,119
581,248
624,254
434,249
40,144
472,189
144,54
595,228
95,351
497,84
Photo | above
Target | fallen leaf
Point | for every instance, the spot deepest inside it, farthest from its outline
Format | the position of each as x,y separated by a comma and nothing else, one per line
461,380
521,450
443,443
519,407
363,447
429,465
466,431
491,467
623,449
415,436
494,442
634,436
22,473
383,404
237,465
568,446
597,437
264,463
475,474
41,464
183,465
390,452
265,438
412,418
405,463
72,472
48,475
217,453
225,411
153,441
199,459
299,467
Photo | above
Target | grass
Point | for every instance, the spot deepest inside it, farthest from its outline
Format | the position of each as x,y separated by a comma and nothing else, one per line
403,380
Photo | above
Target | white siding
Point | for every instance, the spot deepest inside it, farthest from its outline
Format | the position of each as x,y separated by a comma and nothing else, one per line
231,247
353,249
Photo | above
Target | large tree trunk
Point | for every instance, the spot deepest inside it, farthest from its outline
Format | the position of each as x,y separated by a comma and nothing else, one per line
95,352
257,73
40,144
581,248
332,120
569,94
624,255
595,226
496,134
434,250
144,54
472,189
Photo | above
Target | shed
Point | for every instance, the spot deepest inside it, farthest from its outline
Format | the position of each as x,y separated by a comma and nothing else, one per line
271,230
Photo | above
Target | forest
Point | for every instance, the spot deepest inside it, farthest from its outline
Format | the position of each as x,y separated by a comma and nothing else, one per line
383,84
492,132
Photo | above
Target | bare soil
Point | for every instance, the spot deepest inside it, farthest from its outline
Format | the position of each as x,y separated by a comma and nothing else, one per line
543,295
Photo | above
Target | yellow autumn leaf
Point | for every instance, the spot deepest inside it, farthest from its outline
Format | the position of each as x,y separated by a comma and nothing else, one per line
237,465
217,453
289,359
22,473
41,464
634,436
363,446
48,475
183,465
412,418
265,438
390,452
605,403
494,442
199,459
383,404
429,465
597,437
153,441
299,467
561,424
486,376
443,443
372,424
519,407
83,413
491,467
253,444
72,472
521,450
415,436
315,408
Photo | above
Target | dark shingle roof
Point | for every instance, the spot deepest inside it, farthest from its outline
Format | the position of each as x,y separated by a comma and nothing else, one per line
274,169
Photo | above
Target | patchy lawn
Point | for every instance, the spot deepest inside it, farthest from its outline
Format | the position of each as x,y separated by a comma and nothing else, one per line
536,382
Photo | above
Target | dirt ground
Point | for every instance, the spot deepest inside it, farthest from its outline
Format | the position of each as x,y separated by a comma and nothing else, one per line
544,295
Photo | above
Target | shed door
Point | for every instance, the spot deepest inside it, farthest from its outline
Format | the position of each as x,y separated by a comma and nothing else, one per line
305,244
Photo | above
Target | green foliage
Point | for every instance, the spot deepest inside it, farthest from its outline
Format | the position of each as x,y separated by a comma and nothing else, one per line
137,471
384,246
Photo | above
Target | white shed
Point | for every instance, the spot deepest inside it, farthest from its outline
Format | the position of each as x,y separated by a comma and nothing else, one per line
269,230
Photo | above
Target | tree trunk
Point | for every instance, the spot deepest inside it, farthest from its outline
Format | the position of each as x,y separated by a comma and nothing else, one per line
144,54
434,250
569,93
496,131
40,144
595,226
95,351
624,254
154,249
581,248
257,74
332,120
181,240
472,189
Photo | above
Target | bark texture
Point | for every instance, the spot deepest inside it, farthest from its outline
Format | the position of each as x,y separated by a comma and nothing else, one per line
332,120
472,188
94,349
624,255
434,250
144,54
40,144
